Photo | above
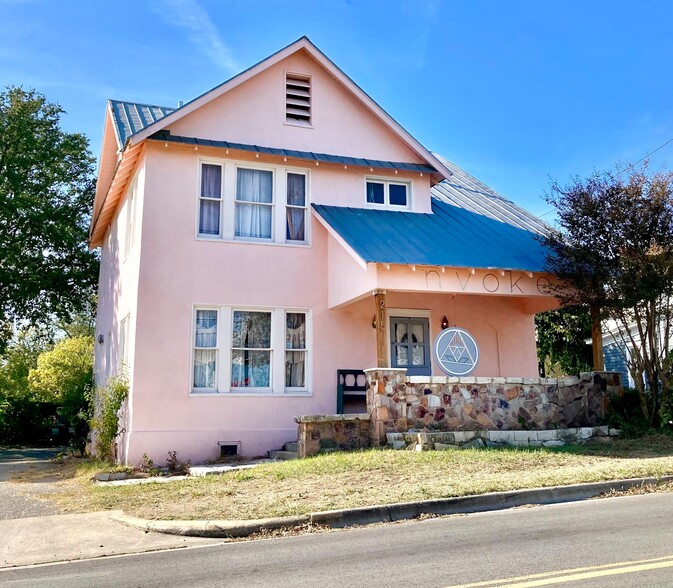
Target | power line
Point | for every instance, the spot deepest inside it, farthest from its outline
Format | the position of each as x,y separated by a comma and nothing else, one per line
651,152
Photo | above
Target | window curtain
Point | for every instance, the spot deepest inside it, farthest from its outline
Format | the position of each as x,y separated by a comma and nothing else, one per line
254,219
295,354
205,359
251,368
296,196
211,187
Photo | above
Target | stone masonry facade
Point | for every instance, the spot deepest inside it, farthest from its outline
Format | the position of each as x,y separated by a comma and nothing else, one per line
332,433
398,403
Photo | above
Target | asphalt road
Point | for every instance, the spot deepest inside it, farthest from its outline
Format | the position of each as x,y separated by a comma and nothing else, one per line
592,543
20,500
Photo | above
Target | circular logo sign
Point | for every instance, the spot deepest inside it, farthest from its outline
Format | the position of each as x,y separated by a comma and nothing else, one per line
456,351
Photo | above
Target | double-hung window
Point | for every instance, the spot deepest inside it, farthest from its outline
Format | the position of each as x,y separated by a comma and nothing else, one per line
210,200
205,350
251,349
295,350
254,203
295,210
387,193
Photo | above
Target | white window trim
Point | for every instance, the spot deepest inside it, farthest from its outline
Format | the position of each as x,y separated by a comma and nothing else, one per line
387,181
228,203
277,389
218,347
130,213
209,161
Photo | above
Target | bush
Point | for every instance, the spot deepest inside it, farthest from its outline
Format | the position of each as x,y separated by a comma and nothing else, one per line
105,423
625,412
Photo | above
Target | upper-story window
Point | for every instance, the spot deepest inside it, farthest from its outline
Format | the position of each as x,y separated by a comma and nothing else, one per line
210,199
394,194
254,203
295,224
250,203
129,228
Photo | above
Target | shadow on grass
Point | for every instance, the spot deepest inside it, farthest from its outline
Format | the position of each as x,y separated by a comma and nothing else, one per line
651,445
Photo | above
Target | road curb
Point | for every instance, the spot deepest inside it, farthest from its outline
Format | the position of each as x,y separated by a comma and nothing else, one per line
393,512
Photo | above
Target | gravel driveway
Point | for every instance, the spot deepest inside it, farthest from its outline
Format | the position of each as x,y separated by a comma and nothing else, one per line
21,499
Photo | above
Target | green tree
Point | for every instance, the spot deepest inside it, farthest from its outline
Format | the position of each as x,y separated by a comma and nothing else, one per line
46,191
561,336
64,376
614,252
22,419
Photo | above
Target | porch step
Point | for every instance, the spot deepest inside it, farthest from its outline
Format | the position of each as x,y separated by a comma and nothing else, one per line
291,446
283,455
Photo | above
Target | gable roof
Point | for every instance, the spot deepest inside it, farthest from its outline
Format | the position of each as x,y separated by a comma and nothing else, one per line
305,44
131,117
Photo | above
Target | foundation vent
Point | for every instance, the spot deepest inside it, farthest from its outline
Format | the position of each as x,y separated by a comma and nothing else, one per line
297,98
229,448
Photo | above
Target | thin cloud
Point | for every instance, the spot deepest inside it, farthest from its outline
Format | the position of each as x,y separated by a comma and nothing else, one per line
200,29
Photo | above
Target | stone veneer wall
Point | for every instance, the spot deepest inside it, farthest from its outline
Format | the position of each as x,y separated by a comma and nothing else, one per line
398,403
332,432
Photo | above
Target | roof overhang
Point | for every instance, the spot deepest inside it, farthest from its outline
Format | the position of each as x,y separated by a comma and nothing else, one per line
124,172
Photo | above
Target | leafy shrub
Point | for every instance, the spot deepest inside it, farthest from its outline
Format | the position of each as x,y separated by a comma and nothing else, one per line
625,412
110,399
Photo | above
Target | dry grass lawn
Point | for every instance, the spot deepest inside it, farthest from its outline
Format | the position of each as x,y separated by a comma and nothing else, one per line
345,480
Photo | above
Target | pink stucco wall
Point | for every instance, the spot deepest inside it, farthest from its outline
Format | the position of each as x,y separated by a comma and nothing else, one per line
255,113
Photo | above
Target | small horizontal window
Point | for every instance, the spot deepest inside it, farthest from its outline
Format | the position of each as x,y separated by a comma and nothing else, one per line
384,193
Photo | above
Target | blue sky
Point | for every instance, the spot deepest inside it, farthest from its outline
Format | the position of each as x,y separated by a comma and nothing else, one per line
516,92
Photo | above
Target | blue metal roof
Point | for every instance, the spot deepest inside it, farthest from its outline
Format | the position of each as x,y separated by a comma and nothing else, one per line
131,117
451,237
310,155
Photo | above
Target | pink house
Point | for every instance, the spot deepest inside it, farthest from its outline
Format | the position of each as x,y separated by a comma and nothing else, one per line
279,228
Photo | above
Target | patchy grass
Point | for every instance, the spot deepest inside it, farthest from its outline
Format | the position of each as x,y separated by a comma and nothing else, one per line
346,480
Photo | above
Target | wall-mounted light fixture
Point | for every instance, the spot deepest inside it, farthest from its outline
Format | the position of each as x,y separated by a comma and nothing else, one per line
445,323
374,322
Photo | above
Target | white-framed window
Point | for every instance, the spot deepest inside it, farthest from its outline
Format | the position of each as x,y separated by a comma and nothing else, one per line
205,349
210,200
251,349
129,230
242,350
242,201
254,203
295,350
295,209
388,193
124,342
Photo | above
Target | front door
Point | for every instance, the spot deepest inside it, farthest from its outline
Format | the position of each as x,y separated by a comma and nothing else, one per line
409,345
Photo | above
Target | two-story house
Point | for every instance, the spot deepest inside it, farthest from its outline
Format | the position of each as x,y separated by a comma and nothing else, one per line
276,229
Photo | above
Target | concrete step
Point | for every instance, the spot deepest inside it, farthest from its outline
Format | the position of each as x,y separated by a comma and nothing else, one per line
282,455
291,446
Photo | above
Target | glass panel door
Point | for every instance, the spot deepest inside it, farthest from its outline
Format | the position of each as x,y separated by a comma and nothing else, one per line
409,345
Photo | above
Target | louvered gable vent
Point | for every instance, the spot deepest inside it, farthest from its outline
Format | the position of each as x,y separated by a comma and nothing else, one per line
297,98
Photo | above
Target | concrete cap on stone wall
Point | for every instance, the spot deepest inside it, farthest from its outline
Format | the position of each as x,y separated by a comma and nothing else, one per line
331,418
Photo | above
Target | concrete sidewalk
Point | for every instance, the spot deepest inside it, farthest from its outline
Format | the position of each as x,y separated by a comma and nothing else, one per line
49,539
